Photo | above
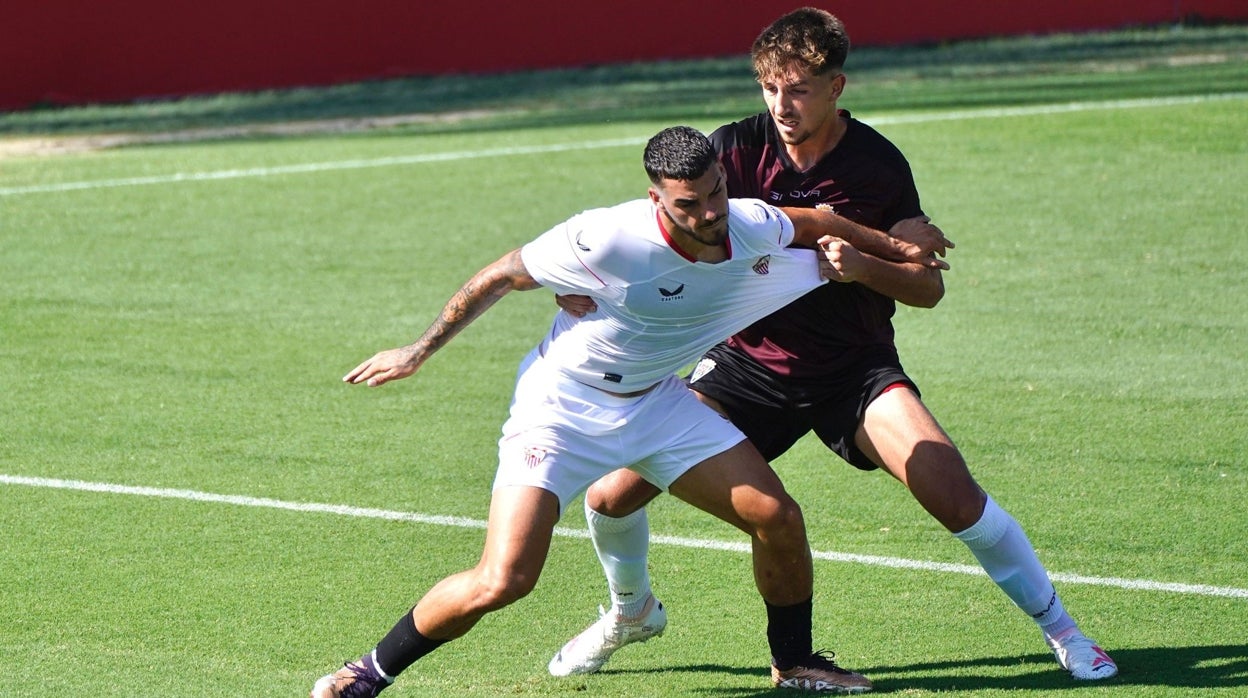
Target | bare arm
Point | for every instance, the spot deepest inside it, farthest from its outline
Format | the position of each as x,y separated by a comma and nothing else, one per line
812,226
921,232
469,302
905,282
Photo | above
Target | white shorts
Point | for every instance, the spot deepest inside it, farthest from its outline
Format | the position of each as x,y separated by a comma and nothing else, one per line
563,435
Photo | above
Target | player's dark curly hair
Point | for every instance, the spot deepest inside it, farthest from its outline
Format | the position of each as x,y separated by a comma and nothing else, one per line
809,38
678,152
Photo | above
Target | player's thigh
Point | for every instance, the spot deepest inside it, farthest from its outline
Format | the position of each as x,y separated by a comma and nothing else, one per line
738,487
620,493
517,537
897,428
900,433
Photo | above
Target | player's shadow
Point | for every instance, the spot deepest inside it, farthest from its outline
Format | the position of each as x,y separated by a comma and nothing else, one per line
1211,666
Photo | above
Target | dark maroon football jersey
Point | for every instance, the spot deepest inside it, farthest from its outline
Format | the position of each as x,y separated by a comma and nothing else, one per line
866,179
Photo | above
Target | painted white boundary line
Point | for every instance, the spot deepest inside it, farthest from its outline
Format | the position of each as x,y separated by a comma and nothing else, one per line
1047,109
461,522
310,167
305,168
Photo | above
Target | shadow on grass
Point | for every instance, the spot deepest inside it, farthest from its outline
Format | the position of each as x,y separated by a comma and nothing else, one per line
1203,667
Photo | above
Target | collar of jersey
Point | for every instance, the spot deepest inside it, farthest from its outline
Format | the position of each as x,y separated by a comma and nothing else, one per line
667,237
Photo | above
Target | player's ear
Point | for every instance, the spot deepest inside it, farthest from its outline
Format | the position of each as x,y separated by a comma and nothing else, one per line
654,194
838,85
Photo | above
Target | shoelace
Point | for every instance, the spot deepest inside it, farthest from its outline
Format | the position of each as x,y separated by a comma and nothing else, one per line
365,685
616,628
823,659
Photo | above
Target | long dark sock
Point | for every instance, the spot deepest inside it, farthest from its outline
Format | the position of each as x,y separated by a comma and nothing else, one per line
789,633
402,646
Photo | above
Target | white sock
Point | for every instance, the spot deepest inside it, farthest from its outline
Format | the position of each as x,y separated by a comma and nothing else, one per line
622,545
1001,547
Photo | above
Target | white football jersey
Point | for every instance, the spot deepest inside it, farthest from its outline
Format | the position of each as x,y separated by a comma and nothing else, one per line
658,310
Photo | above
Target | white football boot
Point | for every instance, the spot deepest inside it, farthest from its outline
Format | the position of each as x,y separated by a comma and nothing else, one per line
587,652
1082,657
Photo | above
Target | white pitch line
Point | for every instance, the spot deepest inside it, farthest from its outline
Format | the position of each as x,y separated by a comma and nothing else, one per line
697,543
311,167
1047,109
424,158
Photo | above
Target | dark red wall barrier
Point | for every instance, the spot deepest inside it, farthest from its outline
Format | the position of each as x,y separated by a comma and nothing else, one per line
77,51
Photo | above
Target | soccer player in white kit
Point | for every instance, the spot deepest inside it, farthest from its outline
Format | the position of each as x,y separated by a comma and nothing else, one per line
672,275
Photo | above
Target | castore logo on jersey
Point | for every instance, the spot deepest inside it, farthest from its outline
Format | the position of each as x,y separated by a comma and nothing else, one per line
673,294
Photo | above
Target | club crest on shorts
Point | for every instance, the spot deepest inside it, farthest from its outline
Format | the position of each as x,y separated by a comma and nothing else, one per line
534,455
763,265
704,367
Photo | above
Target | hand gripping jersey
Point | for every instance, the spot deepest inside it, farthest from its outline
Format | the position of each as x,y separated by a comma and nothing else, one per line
658,310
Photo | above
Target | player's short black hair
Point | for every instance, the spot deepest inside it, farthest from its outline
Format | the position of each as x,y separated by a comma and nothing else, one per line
678,152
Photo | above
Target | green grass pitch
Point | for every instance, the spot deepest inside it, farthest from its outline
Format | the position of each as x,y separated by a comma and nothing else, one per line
174,435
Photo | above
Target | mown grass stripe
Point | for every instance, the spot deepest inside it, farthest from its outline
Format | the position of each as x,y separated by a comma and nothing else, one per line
424,158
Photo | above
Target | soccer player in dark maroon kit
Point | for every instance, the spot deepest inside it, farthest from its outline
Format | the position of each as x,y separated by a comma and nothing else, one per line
826,363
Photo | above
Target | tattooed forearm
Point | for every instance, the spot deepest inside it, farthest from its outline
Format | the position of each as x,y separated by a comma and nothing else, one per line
474,298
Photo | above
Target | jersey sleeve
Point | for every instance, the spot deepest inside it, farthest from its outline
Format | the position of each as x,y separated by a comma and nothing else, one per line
771,227
907,203
552,260
741,146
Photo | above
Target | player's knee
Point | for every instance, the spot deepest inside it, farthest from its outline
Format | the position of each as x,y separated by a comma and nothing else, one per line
780,521
619,494
965,510
497,588
598,497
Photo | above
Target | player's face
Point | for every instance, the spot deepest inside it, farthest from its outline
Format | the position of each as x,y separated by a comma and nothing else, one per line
801,104
698,208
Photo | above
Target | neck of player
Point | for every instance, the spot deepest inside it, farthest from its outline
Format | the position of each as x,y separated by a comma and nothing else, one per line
810,151
702,248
